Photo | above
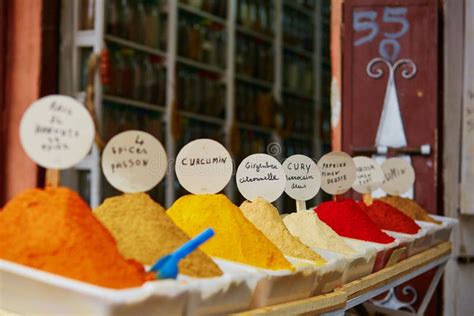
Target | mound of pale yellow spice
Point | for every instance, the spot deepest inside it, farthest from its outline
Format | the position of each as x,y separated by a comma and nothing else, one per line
235,238
315,233
267,219
54,230
145,233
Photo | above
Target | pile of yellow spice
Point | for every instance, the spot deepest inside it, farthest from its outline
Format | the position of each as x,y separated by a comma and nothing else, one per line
235,239
267,219
145,233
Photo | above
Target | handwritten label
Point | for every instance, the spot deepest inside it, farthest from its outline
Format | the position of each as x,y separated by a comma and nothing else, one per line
203,166
134,161
303,178
369,175
399,176
56,132
260,175
338,172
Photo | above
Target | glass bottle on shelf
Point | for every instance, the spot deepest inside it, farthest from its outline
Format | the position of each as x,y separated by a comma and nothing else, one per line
196,3
163,35
87,9
127,82
124,17
253,14
152,23
194,42
113,19
117,69
183,37
207,48
137,75
245,12
147,81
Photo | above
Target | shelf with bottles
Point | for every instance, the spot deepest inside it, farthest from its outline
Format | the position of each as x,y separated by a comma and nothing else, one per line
200,95
298,76
298,51
305,7
255,18
254,62
135,46
214,11
297,27
254,106
141,22
201,43
136,79
299,114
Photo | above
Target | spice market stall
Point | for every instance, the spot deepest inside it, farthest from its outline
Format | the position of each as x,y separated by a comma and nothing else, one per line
131,256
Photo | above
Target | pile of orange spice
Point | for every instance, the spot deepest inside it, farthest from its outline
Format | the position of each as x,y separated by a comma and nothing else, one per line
54,230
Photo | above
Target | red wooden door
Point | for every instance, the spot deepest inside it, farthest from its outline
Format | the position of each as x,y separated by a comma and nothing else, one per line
404,33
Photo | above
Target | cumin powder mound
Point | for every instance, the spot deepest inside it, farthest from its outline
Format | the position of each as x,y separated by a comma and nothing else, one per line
267,219
410,208
54,230
235,239
145,233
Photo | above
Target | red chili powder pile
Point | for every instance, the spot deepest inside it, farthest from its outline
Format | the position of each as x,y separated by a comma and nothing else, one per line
54,230
349,220
389,218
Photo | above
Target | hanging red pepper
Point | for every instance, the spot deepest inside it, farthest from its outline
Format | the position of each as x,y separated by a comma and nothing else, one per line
105,66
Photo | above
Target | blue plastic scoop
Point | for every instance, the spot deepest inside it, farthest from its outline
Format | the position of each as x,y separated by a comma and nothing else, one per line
167,266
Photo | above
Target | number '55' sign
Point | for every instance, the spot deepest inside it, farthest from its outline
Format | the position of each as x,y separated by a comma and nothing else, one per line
364,21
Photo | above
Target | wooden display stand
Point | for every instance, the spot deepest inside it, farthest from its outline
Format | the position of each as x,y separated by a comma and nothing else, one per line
362,290
366,288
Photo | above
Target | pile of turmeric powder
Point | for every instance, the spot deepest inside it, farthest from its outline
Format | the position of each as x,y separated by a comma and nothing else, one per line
235,237
145,233
267,219
54,230
410,208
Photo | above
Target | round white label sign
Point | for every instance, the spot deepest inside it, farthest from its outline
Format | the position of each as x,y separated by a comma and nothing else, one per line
399,176
338,172
260,175
303,178
203,166
57,132
369,175
134,161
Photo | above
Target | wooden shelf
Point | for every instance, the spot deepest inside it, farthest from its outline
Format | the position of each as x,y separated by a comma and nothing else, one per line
297,94
303,10
255,128
202,118
362,290
298,51
253,81
366,287
199,65
300,136
249,32
134,103
316,305
134,45
201,13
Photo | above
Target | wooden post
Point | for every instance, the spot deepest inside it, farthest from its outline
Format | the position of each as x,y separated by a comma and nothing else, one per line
52,178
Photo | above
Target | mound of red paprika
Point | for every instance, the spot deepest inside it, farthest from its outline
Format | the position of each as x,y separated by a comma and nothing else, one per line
389,218
348,219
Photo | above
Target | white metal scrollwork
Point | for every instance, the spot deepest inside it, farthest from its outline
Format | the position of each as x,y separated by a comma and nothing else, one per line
391,132
391,300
